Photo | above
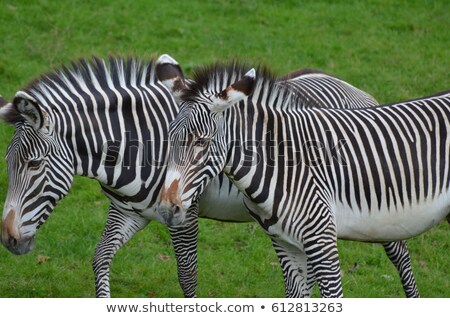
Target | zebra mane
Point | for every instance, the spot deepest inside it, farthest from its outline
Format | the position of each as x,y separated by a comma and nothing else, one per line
218,76
116,71
301,72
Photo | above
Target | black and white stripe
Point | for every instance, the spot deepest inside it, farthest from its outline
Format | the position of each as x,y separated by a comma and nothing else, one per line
108,120
377,174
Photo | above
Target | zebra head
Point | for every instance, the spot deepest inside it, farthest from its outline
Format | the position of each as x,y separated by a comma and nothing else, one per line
39,172
198,144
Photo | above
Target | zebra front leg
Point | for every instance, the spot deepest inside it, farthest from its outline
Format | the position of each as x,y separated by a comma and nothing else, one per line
320,244
399,256
310,281
119,229
184,240
294,265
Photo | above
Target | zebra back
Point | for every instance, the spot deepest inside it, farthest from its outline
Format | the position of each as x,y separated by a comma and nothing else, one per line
326,91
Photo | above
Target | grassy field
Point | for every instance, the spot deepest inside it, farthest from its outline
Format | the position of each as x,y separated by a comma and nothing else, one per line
394,50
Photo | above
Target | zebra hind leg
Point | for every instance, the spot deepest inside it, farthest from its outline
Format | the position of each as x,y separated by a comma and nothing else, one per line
399,256
184,240
119,229
295,269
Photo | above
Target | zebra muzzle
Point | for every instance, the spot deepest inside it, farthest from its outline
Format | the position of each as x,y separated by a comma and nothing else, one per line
11,237
172,214
169,206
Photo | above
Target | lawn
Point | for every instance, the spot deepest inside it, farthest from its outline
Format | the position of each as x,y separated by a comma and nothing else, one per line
394,50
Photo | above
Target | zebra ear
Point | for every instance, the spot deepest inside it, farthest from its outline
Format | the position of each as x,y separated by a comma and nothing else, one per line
170,74
9,113
29,109
234,93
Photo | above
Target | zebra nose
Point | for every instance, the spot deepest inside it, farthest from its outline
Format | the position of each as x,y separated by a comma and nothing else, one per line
9,241
169,212
12,238
9,228
12,242
19,246
10,233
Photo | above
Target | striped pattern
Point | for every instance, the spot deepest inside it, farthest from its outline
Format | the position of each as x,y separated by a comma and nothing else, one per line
376,174
108,120
323,90
33,176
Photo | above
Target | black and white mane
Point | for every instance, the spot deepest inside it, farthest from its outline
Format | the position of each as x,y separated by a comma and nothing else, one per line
90,75
216,77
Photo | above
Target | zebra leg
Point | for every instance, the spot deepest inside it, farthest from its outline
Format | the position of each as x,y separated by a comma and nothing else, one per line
399,256
184,240
324,260
310,281
119,229
320,244
295,269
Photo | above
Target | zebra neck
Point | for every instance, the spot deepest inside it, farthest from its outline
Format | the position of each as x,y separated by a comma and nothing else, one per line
87,146
121,141
258,143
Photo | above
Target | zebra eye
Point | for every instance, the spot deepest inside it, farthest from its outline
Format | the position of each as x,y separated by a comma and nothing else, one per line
34,163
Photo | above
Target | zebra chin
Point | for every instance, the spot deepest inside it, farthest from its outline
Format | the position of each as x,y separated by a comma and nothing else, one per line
19,246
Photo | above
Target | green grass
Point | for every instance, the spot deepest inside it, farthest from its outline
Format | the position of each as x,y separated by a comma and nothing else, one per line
393,50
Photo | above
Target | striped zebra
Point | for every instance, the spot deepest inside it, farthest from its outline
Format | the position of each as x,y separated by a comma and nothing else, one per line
108,120
309,175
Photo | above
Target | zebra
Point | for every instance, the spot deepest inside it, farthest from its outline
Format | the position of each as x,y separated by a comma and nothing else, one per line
310,175
82,120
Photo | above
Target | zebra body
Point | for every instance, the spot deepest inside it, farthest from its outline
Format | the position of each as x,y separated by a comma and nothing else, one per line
108,121
399,211
391,224
387,178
